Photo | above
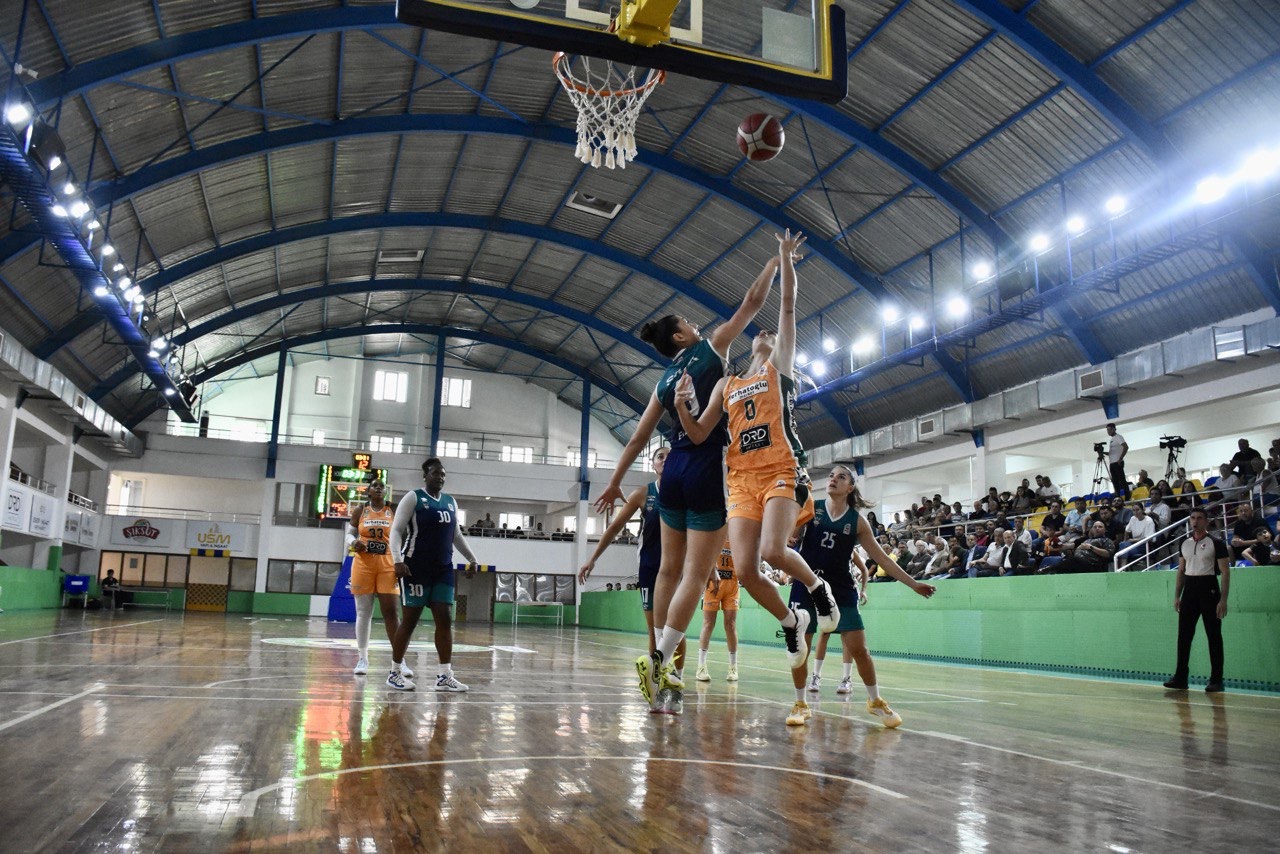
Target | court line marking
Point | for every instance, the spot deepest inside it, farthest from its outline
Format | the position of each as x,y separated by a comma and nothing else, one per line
249,800
1076,764
79,632
40,711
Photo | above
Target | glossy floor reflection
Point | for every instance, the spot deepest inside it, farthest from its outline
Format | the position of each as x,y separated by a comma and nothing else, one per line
146,732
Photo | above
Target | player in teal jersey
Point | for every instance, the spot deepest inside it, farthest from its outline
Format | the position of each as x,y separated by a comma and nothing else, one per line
691,496
423,536
827,545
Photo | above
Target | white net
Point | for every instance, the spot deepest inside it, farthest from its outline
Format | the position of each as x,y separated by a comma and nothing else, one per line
608,100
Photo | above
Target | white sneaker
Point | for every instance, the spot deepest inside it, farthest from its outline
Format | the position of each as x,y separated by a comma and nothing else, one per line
362,666
702,674
845,686
794,638
815,684
824,603
395,680
446,682
732,674
405,670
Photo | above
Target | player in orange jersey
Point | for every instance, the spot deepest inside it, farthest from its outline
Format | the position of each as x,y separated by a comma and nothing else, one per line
721,595
768,484
372,572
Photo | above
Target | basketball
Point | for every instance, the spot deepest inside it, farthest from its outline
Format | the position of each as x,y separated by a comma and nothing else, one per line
760,137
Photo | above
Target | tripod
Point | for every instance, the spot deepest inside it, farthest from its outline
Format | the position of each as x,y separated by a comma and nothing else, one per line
1171,467
1101,475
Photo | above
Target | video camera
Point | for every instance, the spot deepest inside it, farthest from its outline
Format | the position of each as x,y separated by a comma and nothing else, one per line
1100,448
1172,442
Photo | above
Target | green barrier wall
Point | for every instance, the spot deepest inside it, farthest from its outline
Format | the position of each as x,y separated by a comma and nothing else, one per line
25,589
1105,624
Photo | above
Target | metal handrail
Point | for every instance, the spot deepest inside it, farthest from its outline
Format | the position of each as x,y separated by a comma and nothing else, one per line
183,513
1176,538
36,483
81,501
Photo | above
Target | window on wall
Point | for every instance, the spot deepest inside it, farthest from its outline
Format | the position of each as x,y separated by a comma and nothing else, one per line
528,587
391,386
571,524
322,386
516,455
385,442
317,437
455,391
451,449
514,520
248,431
302,576
574,458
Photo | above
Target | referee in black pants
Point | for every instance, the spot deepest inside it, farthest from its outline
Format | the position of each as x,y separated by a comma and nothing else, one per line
1197,597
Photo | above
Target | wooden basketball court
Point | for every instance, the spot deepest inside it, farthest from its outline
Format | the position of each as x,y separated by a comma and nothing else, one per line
147,732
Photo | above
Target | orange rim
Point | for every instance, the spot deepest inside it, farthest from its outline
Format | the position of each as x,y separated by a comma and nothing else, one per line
569,82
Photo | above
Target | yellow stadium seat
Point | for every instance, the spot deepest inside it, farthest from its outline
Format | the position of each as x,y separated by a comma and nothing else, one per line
1139,493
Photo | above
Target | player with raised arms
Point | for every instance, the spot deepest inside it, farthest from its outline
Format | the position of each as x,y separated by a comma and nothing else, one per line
423,536
827,546
768,485
691,500
645,500
373,573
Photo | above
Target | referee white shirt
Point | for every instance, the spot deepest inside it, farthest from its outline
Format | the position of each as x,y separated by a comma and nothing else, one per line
1202,555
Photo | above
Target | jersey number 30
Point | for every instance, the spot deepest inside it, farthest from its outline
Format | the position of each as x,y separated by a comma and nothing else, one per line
445,518
416,590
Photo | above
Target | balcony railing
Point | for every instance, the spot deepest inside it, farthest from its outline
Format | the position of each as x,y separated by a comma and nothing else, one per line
182,513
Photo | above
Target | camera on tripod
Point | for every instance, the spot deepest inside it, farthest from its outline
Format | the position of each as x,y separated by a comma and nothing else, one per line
1100,448
1173,442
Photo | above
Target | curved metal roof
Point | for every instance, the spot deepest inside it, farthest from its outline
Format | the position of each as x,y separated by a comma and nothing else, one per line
257,163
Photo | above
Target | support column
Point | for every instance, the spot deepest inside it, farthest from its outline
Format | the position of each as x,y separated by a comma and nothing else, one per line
436,405
58,472
266,516
580,545
273,446
8,426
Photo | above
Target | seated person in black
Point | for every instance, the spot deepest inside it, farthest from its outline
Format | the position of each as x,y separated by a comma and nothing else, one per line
1092,555
1263,552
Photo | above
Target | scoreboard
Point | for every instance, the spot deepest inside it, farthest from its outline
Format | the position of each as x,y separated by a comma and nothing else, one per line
341,486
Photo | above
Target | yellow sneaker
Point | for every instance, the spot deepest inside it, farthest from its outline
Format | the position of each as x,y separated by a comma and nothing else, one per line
800,713
667,677
880,709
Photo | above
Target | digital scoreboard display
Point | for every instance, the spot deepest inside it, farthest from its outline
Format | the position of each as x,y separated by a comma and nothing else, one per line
341,486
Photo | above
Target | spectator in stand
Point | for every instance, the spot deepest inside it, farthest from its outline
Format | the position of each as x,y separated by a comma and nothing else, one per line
1138,528
487,522
1048,492
946,528
538,534
608,588
1245,531
1116,452
1273,456
898,525
1049,545
1121,511
992,562
1242,462
1160,510
476,530
1077,517
1182,482
1262,553
519,534
1023,500
1006,503
1024,535
1144,479
1107,516
957,513
876,528
991,503
940,562
1054,519
1092,555
1264,487
1017,556
503,532
922,553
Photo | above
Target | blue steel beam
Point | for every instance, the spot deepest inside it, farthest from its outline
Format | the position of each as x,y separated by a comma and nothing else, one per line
374,222
258,144
581,371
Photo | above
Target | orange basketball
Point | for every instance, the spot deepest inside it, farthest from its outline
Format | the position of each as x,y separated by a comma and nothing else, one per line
760,137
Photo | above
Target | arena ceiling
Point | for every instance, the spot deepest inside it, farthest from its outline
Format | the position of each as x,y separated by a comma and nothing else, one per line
317,176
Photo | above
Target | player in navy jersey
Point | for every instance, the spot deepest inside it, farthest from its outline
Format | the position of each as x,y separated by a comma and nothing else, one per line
691,495
827,545
423,536
645,500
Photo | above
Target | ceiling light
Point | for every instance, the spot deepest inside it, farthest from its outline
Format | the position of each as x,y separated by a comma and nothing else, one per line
1260,165
54,162
124,282
863,345
108,250
802,359
101,291
78,208
94,225
139,299
1039,242
981,270
818,367
829,344
1211,189
889,313
117,267
69,189
957,306
17,114
159,343
1117,204
1075,224
168,392
153,354
916,323
58,210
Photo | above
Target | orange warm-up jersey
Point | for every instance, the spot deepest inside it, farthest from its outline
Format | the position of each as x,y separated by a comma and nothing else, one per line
762,422
375,531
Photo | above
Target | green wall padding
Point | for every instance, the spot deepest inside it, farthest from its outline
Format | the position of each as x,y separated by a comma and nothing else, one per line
24,589
1106,624
282,603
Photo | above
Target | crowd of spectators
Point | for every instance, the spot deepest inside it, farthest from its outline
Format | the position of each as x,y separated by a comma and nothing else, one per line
486,527
1026,531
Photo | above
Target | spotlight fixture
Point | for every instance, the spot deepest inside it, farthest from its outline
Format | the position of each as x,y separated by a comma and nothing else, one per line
889,313
78,208
1039,243
1211,189
829,345
817,367
69,189
58,210
957,306
916,323
139,299
17,114
981,270
1075,224
101,291
159,343
1117,205
1260,165
54,162
802,359
168,392
94,225
863,345
117,267
153,354
124,282
108,250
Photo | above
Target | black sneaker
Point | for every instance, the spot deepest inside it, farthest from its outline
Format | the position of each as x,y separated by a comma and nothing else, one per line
1176,684
824,604
1213,688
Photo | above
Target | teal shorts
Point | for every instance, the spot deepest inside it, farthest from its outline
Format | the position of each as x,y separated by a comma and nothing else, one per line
419,593
850,617
691,520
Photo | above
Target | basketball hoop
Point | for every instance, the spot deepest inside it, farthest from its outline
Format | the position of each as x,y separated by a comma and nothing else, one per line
608,103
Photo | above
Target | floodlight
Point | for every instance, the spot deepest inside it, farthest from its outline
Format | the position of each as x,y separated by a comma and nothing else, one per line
58,210
802,359
981,270
1040,242
1260,165
1075,224
889,313
957,306
829,344
78,208
1117,205
159,343
17,114
108,250
863,345
101,291
1211,189
818,367
916,323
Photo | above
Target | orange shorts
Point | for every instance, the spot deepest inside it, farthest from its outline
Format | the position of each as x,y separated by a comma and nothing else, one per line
749,491
724,597
373,576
